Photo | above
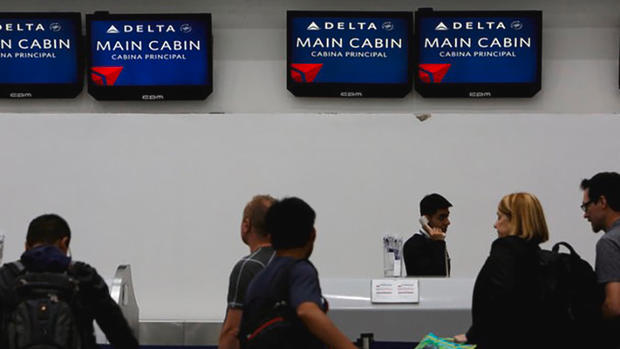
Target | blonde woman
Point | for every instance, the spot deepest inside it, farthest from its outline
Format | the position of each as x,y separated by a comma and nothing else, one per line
507,311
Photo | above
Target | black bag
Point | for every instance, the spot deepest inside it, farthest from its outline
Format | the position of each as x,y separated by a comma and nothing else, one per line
271,323
44,314
570,294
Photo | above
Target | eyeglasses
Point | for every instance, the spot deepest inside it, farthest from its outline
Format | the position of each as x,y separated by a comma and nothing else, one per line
585,205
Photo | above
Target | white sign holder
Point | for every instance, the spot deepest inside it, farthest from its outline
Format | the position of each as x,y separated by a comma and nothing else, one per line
394,291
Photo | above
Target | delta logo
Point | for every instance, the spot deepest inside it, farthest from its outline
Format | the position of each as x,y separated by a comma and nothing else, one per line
305,72
479,25
112,30
441,27
147,28
22,27
360,25
433,73
105,76
313,26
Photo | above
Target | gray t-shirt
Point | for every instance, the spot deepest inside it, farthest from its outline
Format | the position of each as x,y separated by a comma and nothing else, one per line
244,271
608,255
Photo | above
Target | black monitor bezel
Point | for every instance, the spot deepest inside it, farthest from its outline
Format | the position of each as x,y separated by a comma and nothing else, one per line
50,90
371,90
150,92
476,90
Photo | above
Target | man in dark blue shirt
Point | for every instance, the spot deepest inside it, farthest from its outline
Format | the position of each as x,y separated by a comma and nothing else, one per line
291,225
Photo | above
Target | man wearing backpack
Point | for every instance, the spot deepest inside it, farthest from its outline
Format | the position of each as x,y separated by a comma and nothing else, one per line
60,297
601,207
284,307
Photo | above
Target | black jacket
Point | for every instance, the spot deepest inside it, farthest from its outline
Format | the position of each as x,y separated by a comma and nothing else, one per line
425,257
507,308
94,298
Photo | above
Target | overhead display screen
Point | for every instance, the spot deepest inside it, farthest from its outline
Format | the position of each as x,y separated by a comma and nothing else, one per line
478,54
349,54
149,57
40,55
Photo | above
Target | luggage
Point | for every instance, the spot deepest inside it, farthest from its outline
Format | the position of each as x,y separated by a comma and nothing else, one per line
271,323
570,294
44,313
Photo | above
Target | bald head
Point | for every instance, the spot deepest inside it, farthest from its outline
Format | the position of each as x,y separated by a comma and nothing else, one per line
255,211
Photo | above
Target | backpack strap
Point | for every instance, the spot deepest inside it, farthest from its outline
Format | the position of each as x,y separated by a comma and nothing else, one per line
273,310
281,281
556,248
9,272
18,267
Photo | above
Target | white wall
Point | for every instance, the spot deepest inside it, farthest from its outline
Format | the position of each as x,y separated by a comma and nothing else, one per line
165,192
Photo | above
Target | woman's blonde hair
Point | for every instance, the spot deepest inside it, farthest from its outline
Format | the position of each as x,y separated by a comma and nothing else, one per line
527,219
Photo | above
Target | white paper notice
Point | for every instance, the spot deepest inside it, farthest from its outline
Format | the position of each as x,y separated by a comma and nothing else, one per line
394,291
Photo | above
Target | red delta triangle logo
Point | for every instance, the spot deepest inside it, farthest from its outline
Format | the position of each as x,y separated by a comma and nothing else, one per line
433,73
105,76
305,72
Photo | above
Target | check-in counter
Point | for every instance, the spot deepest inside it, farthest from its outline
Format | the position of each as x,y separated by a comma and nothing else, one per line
444,309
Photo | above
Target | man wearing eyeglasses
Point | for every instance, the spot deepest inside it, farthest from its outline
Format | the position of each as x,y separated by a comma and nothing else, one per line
601,207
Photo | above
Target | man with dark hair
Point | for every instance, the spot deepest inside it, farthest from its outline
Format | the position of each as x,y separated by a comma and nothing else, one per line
46,256
253,234
601,207
425,253
48,229
290,283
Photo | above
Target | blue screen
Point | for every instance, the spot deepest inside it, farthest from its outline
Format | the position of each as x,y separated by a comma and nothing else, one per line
349,50
38,51
149,52
478,49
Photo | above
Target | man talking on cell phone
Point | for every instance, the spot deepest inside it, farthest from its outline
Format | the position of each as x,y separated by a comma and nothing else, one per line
425,252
